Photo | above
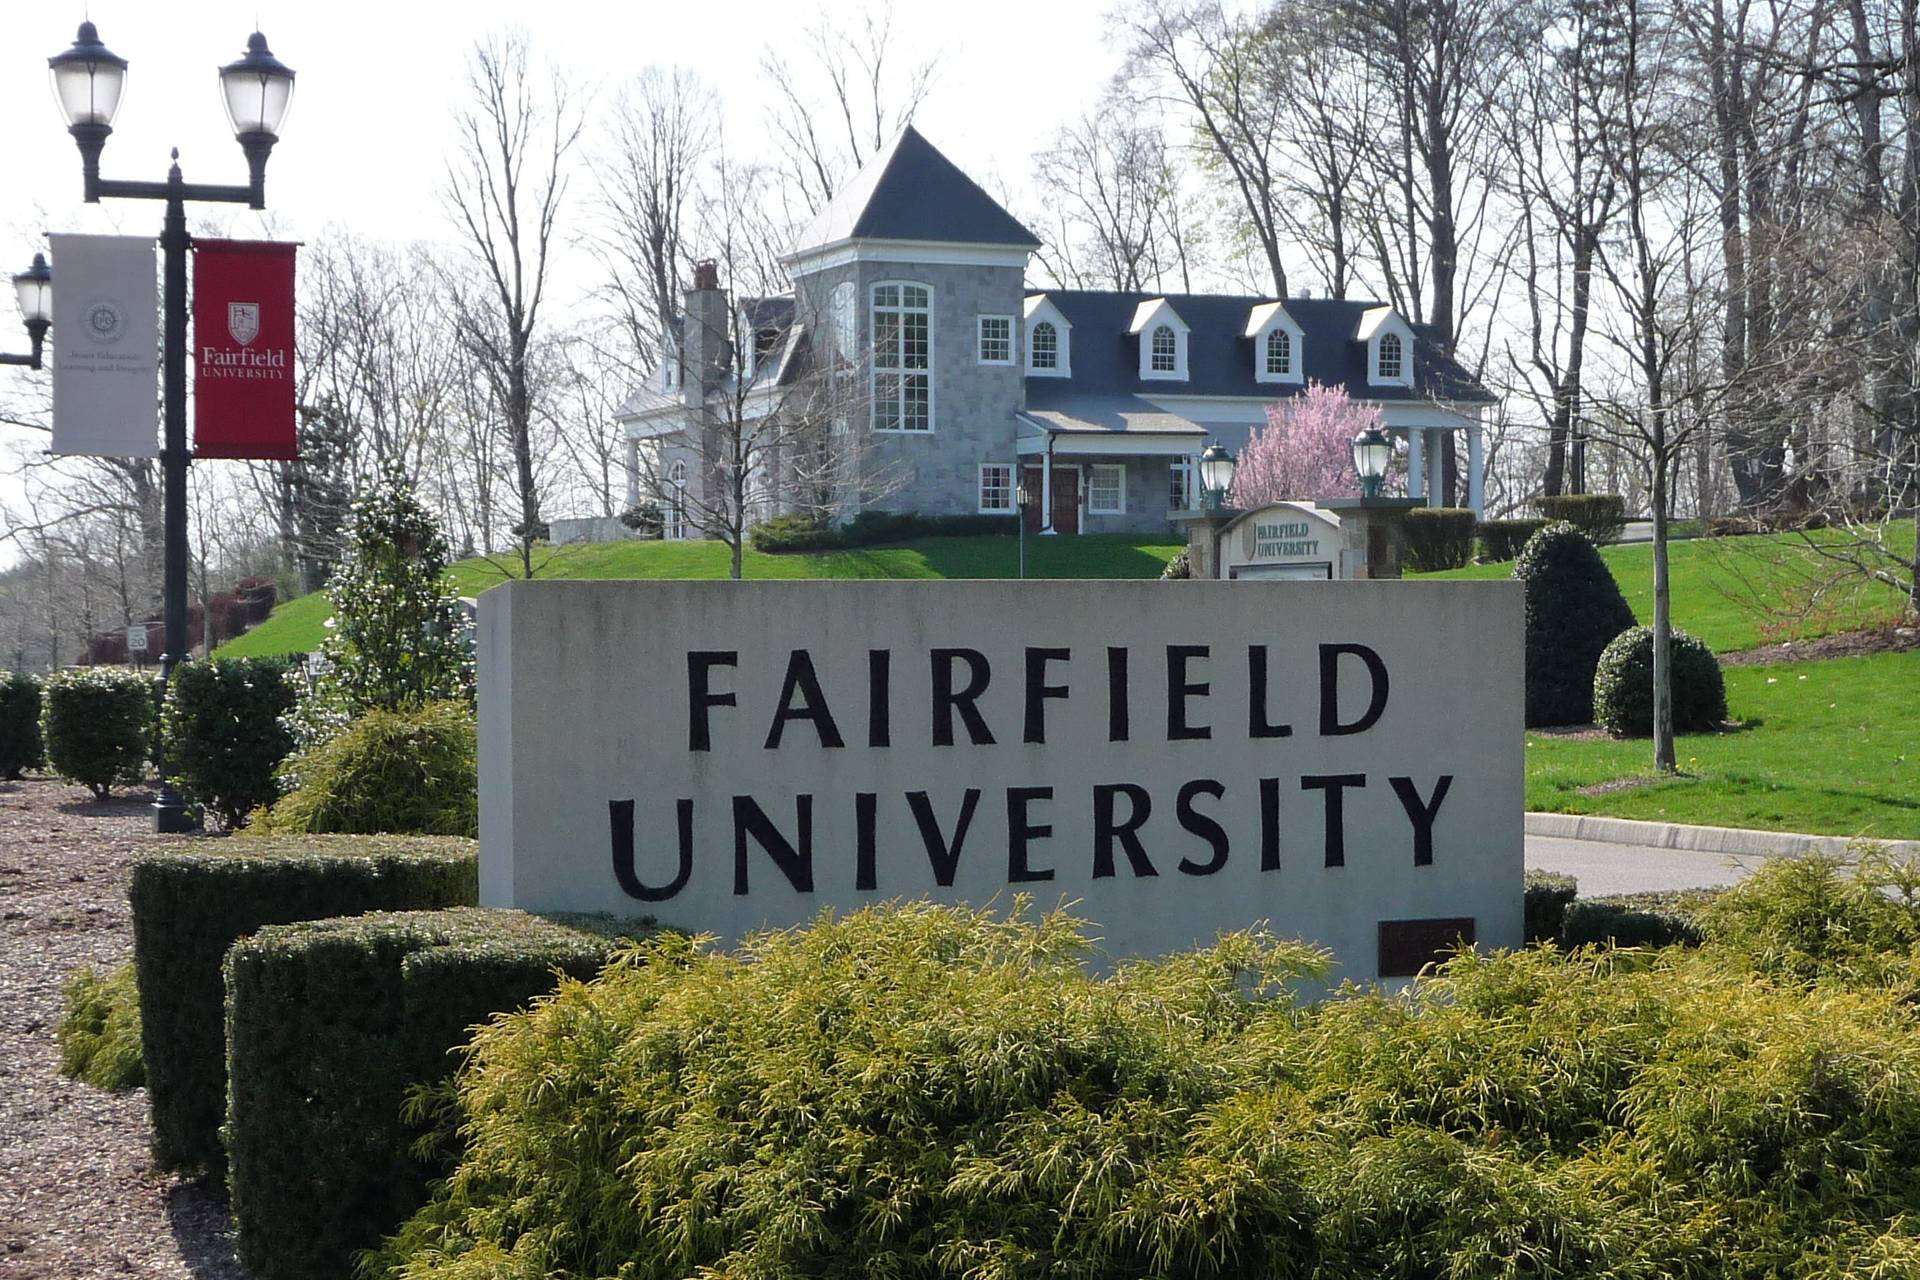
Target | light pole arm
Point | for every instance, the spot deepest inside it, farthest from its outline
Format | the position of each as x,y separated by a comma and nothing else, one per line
37,332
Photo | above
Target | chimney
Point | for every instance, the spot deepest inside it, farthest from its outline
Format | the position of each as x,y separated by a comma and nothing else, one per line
1303,292
705,352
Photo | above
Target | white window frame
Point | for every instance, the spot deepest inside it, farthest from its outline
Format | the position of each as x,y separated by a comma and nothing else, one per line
1120,488
1012,478
1267,353
980,340
1044,370
1186,472
674,526
1039,311
1148,319
1380,373
880,371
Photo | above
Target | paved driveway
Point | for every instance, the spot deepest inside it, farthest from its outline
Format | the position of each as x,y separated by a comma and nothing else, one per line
1603,867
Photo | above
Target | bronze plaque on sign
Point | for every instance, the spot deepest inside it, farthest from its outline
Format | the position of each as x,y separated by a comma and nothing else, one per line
1408,946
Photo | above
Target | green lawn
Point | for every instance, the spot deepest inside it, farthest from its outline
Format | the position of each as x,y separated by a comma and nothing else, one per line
298,625
1832,748
1736,593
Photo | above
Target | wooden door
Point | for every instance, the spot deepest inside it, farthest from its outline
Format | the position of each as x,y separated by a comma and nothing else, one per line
1066,499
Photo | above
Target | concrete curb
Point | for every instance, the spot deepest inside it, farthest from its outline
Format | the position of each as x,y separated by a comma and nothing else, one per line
1667,835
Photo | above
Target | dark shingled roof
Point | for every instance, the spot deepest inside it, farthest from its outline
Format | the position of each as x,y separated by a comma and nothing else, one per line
909,191
1105,358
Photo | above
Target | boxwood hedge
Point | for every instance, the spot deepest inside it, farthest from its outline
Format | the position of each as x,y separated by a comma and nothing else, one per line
1623,685
330,1024
193,901
19,724
96,726
1573,609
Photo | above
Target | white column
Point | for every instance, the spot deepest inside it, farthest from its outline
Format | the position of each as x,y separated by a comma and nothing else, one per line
633,472
1436,474
1416,473
1046,488
1476,472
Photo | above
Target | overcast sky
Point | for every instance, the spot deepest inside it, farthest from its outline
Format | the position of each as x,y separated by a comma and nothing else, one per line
370,125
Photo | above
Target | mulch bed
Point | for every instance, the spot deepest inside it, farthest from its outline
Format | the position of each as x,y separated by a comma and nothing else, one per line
1846,644
78,1196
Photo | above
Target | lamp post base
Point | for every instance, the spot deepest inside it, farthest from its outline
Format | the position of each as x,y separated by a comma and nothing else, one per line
171,815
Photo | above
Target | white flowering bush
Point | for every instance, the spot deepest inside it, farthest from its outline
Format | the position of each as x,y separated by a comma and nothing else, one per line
398,638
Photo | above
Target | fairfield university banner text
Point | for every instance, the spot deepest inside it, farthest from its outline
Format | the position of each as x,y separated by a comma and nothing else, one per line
243,349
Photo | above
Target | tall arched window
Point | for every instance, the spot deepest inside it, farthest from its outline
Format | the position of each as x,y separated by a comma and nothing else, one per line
676,513
1044,349
1279,351
902,357
1391,361
1166,350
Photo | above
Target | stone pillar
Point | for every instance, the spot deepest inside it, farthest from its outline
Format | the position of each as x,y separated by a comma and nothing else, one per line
1203,540
1375,529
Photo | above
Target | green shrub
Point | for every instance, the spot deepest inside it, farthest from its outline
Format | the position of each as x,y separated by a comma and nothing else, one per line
96,724
1574,609
191,904
930,1092
1601,516
794,533
1817,918
1179,568
1502,539
394,772
330,1025
19,724
1625,921
99,1031
224,730
1439,538
1623,685
1547,894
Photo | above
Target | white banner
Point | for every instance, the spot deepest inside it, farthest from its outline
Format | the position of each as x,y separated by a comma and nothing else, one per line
106,346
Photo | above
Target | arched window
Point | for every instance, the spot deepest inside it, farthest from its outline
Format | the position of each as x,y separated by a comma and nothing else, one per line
1391,361
677,474
902,357
1279,351
1044,350
676,513
1166,350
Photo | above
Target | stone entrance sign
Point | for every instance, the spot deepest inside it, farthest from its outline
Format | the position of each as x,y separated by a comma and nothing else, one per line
1176,759
1284,541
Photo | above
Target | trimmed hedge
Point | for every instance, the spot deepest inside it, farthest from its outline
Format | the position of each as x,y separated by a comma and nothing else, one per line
1574,609
19,724
330,1025
1547,895
99,1030
96,725
1601,516
1623,685
413,772
870,528
224,731
1439,538
190,904
1627,921
1501,540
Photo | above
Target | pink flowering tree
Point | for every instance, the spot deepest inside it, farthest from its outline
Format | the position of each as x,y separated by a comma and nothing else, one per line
1306,451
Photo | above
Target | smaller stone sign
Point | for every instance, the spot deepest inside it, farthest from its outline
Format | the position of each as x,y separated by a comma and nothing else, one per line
1287,540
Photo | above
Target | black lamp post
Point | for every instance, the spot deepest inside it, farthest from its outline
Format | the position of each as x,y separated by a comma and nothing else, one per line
1372,451
33,289
89,81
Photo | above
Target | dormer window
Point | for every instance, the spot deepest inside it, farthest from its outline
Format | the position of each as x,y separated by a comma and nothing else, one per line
1046,346
1166,350
1279,352
1390,358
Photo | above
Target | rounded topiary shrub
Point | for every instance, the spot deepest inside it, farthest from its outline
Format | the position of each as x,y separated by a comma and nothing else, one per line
1623,685
1574,609
19,724
226,732
1179,568
393,772
96,724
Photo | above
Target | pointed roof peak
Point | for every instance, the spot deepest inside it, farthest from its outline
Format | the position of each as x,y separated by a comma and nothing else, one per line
908,190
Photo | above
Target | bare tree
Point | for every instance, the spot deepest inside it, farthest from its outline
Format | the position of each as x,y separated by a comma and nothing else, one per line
506,189
1112,194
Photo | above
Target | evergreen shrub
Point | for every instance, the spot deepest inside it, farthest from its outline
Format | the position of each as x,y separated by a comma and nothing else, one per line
191,903
926,1091
1547,894
413,772
1573,610
19,724
794,533
96,726
99,1029
1627,921
1439,538
1501,540
330,1025
225,731
1623,685
1601,516
1821,919
1179,568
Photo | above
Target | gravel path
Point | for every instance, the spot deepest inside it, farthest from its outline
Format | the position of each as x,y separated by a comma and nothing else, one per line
77,1196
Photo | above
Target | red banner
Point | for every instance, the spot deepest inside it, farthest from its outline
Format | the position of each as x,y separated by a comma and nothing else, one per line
243,349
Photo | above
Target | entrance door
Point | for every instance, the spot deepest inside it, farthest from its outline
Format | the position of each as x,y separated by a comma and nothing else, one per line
1066,499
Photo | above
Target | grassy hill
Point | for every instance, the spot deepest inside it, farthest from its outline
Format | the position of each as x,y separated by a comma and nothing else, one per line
298,625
